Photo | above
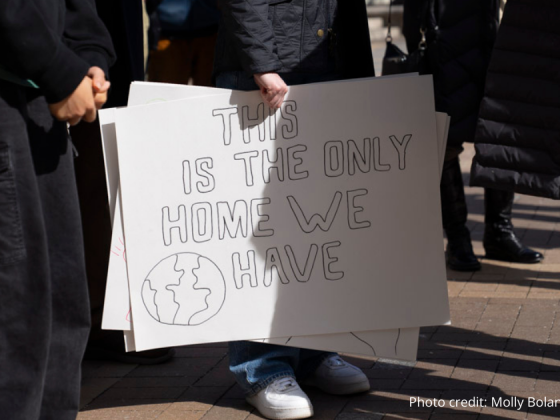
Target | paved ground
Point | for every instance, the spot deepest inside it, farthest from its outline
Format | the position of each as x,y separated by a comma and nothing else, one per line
503,344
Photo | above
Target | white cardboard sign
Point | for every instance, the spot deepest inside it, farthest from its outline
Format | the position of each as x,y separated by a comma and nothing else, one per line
400,343
315,261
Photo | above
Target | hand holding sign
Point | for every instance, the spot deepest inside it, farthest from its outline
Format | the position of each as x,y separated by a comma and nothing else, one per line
273,88
100,86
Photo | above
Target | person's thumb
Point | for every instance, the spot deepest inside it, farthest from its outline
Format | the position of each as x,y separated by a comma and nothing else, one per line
98,78
105,87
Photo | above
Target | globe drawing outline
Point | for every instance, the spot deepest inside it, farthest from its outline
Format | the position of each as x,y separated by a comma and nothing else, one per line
184,289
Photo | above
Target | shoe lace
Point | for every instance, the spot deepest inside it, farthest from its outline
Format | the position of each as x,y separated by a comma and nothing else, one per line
284,384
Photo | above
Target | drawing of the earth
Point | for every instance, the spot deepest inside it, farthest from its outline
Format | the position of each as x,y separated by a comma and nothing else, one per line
184,289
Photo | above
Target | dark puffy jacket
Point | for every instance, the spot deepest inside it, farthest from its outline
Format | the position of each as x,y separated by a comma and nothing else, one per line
53,42
307,36
461,35
518,133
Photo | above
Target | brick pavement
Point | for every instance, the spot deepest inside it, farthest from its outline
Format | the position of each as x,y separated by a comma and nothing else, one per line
503,343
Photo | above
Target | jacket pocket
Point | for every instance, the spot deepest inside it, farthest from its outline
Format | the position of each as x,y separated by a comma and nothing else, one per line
12,248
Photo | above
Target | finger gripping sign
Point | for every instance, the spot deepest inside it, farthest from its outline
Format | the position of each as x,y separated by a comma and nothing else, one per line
243,222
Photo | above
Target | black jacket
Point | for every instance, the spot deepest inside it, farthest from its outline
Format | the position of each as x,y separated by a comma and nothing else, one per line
53,43
518,133
307,36
460,38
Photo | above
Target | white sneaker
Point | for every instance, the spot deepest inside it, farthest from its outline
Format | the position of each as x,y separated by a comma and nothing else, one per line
335,376
282,399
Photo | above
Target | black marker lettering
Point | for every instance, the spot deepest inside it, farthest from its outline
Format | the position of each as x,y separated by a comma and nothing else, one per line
226,115
168,225
249,270
401,148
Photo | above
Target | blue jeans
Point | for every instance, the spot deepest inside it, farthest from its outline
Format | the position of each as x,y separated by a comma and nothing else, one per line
256,365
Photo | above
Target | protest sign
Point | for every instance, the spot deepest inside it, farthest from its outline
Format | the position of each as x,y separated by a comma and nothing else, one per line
367,343
399,343
337,227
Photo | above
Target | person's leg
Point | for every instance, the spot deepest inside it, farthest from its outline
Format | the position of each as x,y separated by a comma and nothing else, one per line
256,365
25,294
460,255
500,241
265,373
53,161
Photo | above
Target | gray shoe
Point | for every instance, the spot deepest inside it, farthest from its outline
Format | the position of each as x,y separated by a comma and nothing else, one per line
335,376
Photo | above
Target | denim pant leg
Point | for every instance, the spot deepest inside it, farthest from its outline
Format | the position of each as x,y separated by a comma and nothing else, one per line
256,365
44,315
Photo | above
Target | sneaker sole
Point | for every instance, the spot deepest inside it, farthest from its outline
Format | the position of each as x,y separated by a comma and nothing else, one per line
284,413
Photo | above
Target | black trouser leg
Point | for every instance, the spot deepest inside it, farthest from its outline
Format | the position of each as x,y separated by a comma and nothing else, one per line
54,164
25,309
460,255
44,313
500,241
453,204
498,206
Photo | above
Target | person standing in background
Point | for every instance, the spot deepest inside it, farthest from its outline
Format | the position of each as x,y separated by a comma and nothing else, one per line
182,40
54,56
517,138
460,38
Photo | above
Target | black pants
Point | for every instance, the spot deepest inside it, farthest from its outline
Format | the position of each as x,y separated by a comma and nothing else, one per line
44,312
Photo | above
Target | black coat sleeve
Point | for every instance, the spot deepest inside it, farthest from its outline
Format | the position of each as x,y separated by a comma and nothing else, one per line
246,21
87,36
32,49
